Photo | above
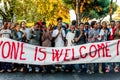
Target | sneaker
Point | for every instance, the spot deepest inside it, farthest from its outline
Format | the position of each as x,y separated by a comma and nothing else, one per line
116,69
66,70
92,72
62,70
56,67
37,69
2,70
30,69
8,70
107,70
52,71
22,69
44,70
79,71
88,71
101,72
73,70
15,69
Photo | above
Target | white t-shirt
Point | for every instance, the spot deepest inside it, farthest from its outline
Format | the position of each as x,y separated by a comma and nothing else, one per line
5,33
70,36
27,31
58,41
103,35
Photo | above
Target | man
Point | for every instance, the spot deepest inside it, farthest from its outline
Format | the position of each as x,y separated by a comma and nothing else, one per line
117,36
58,36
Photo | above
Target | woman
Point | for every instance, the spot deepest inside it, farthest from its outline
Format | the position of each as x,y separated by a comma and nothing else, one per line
93,37
19,36
104,36
6,32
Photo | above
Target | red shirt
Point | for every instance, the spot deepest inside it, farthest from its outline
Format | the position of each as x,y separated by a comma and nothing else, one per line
112,35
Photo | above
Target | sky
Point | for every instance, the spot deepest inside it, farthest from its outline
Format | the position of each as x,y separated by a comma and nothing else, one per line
118,2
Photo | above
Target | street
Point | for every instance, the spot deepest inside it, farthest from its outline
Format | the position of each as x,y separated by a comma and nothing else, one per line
59,76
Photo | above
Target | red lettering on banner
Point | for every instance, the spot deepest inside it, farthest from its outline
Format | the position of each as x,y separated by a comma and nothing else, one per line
42,50
73,55
101,47
14,50
39,50
118,46
107,49
80,50
6,44
91,52
66,55
35,56
21,52
1,43
56,54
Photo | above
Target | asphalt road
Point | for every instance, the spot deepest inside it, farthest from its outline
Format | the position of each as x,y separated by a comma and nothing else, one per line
59,76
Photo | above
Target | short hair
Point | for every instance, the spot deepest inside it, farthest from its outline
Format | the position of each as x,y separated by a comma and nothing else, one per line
86,23
93,23
112,21
44,23
81,23
118,21
36,23
22,22
74,22
59,18
104,21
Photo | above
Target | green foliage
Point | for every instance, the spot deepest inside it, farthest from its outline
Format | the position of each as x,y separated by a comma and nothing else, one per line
35,10
92,8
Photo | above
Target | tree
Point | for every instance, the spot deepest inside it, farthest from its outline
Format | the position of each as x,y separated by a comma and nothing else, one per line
118,14
34,10
7,11
91,8
51,9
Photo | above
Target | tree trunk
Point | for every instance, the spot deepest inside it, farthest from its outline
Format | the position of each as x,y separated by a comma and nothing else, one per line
111,10
78,12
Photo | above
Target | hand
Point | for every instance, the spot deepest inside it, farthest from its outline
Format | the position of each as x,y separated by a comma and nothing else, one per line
109,33
72,41
76,39
85,34
119,33
60,31
96,36
24,35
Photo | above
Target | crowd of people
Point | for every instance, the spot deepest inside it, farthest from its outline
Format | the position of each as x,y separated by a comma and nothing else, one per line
61,35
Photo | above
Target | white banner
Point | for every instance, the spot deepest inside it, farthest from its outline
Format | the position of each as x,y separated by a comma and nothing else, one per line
19,52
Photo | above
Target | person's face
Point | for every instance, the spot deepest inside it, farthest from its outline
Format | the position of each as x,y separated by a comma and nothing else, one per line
95,26
81,27
59,21
59,25
72,28
112,24
18,27
86,26
23,24
104,25
118,25
9,24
